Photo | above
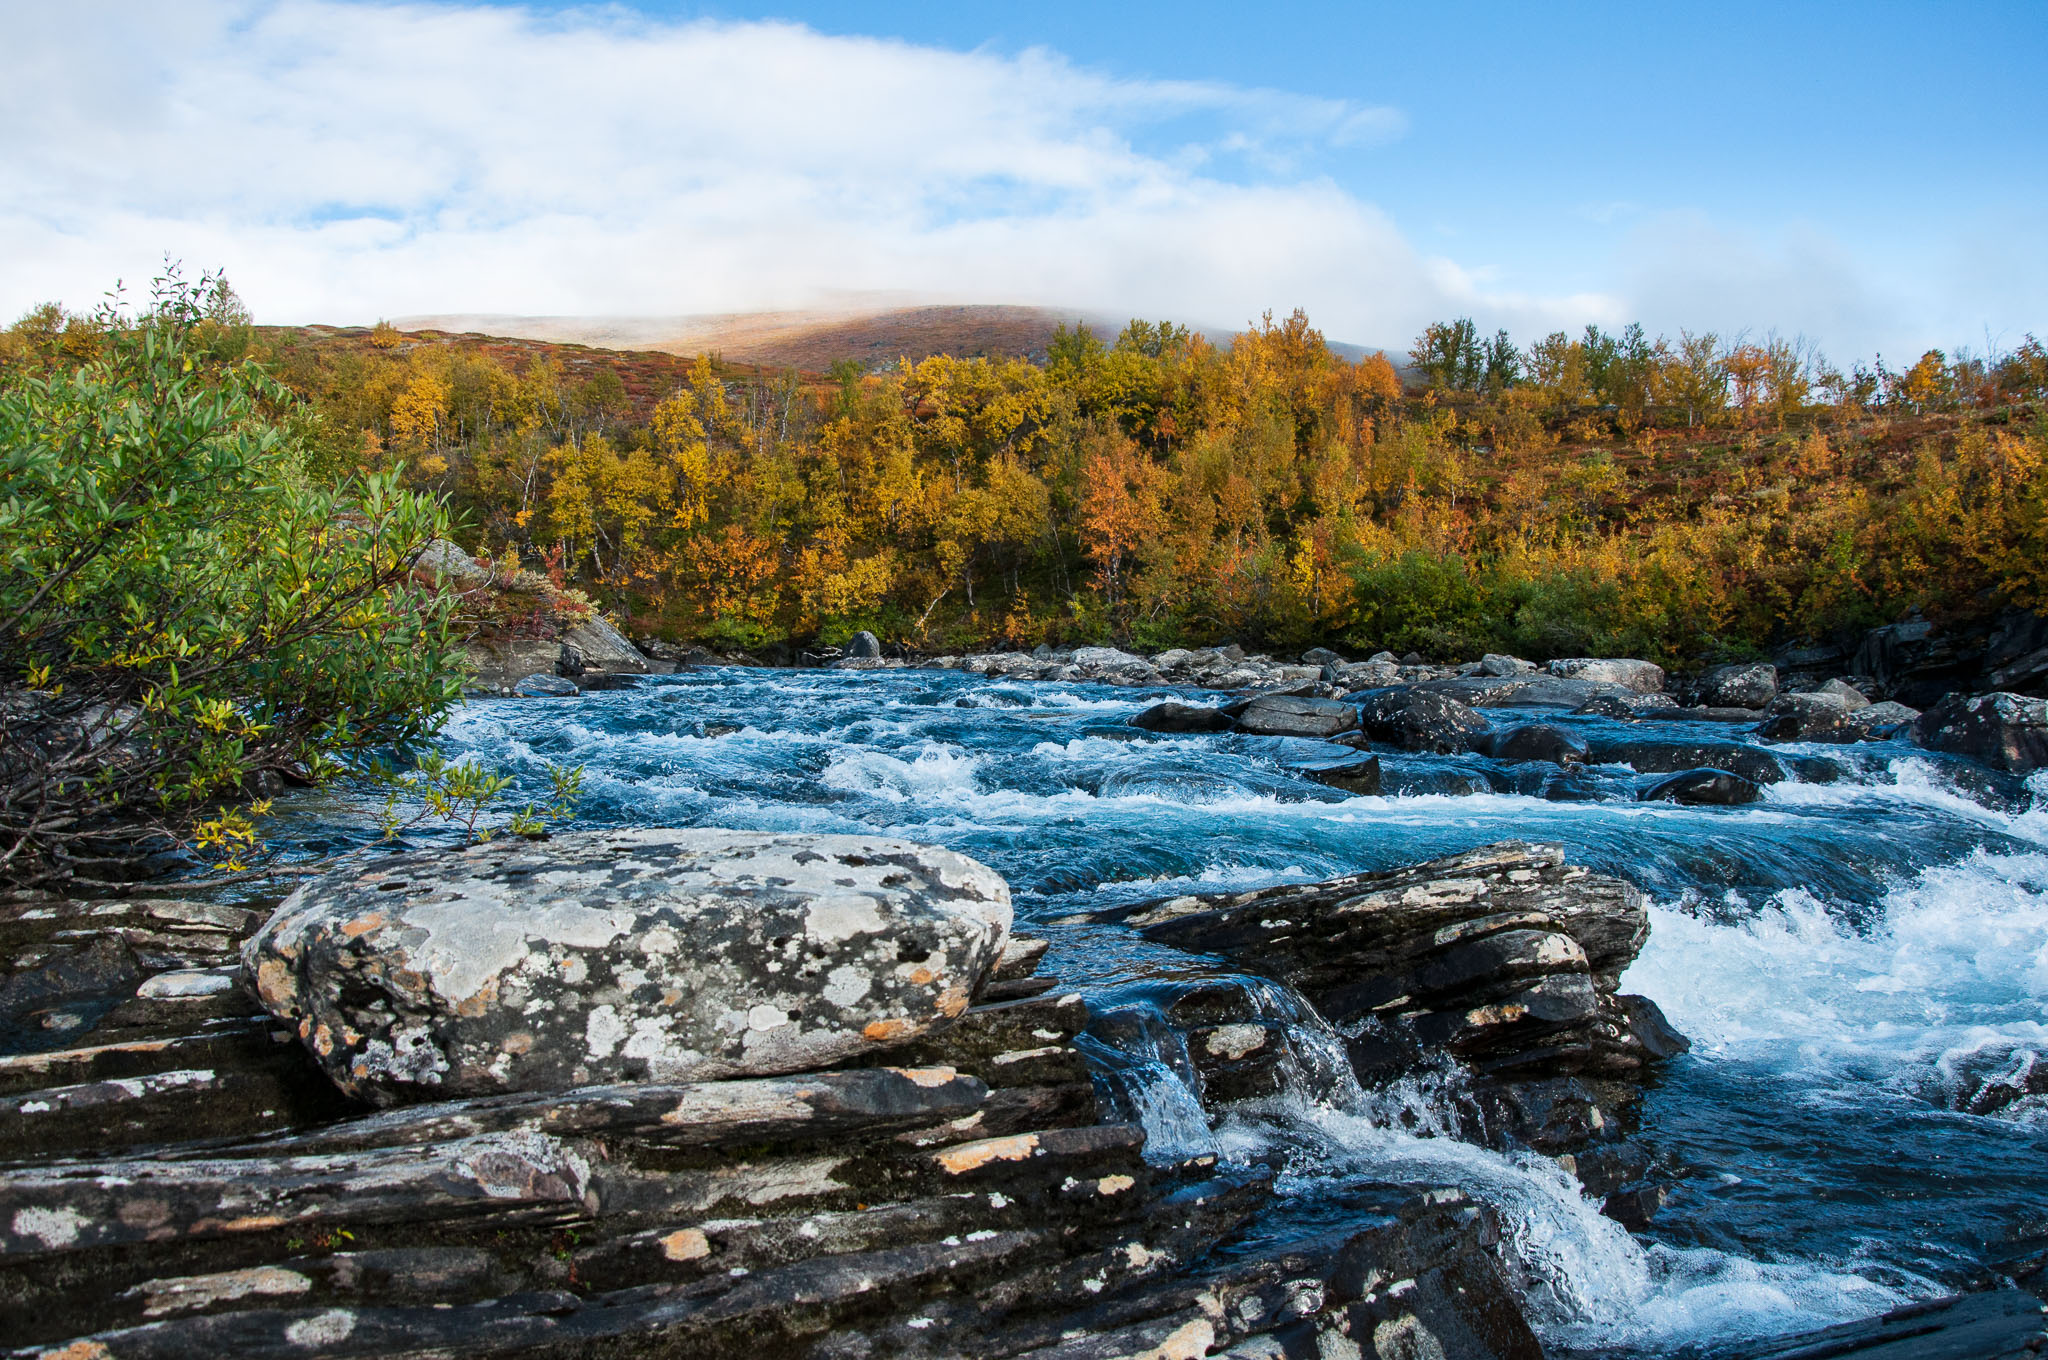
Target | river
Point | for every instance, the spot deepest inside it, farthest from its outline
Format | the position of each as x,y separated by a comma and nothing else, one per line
1837,954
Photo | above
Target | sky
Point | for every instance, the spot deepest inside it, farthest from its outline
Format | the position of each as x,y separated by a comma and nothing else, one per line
1870,176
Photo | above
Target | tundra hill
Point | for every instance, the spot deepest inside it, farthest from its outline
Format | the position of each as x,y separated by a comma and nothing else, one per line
813,340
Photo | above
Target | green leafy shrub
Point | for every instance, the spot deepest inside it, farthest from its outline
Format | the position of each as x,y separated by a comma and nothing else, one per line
184,619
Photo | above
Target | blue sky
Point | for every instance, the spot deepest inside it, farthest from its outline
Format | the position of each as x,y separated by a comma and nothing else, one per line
1869,175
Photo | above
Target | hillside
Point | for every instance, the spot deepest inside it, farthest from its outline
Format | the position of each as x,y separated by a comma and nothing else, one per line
873,334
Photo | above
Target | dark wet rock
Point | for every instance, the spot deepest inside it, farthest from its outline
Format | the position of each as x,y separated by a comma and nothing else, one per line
1536,742
1505,958
1361,775
1993,1077
1276,715
1417,720
1703,788
1750,684
569,664
2004,731
1917,663
1818,716
546,687
1321,656
186,1183
865,646
1411,781
2016,656
1644,677
1609,706
1172,717
624,955
1998,1324
1883,721
1676,757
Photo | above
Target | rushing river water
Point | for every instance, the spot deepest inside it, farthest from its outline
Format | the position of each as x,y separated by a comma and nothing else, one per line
1837,954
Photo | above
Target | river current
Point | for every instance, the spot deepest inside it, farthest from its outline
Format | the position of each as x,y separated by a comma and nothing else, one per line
1840,954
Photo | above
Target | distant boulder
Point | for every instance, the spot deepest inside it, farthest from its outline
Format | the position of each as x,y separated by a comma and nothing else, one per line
545,687
1750,684
1644,677
865,646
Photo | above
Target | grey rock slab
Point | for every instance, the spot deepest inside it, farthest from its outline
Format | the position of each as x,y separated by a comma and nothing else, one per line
604,647
546,687
1644,677
1173,717
1279,715
665,955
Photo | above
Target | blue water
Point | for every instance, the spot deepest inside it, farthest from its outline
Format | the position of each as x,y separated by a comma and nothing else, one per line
1834,952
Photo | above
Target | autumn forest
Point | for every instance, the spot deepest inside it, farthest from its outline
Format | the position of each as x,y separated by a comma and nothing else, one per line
1604,493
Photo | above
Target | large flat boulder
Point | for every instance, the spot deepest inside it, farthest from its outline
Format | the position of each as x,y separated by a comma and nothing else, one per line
604,956
1286,715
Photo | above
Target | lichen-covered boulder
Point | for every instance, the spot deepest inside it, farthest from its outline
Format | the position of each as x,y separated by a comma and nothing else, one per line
1644,677
2005,731
605,956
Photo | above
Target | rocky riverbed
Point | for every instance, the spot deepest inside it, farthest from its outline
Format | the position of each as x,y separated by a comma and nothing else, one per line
1415,1015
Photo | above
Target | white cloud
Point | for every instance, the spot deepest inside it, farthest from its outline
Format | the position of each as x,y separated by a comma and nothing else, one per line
349,161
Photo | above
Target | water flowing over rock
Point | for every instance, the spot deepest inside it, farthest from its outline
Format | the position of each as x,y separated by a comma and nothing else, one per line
1505,957
1172,717
1708,788
2005,731
1537,741
625,955
1676,757
186,1183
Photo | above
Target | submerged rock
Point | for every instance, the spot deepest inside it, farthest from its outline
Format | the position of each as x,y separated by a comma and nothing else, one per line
625,955
1703,788
1361,775
1173,717
2005,731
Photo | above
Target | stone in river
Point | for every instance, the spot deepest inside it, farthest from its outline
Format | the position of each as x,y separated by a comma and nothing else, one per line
1538,741
1361,775
1280,715
604,956
1418,720
546,687
1705,788
1745,685
865,646
2005,731
1675,757
1173,717
1644,677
